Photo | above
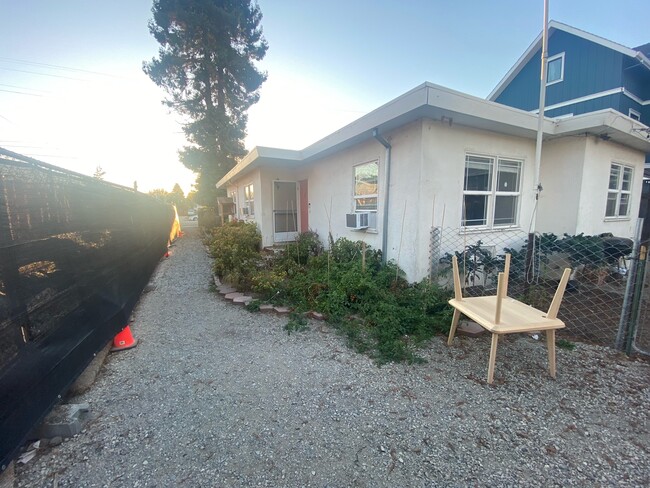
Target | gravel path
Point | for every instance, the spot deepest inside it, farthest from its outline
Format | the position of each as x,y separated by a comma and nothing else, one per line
217,396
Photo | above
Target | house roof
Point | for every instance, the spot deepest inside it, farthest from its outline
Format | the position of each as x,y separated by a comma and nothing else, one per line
450,107
640,53
426,100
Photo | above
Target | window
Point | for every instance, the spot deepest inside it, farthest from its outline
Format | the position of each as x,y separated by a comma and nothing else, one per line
491,191
555,69
365,187
249,200
619,191
233,197
633,114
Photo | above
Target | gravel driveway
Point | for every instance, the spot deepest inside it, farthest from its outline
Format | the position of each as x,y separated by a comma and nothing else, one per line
217,396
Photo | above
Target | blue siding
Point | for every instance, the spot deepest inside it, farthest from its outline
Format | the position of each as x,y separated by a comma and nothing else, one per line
636,78
610,101
588,68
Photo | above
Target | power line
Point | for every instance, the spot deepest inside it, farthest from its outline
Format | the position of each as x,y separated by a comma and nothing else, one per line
24,88
57,66
42,74
20,93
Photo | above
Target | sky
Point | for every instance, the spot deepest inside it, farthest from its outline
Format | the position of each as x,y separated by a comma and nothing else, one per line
73,94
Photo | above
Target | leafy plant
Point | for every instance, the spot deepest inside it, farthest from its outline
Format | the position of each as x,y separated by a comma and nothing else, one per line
373,306
235,248
297,323
564,344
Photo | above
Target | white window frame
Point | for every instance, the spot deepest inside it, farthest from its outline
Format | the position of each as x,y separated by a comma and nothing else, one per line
619,191
634,114
249,200
493,193
355,197
550,60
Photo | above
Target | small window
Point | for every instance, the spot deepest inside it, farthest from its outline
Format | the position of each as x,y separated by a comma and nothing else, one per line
555,69
490,201
249,200
633,114
365,187
619,192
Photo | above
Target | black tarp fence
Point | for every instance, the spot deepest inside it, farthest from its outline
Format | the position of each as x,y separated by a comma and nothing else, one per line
75,254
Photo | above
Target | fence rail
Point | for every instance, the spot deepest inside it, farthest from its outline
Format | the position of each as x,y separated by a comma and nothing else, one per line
75,253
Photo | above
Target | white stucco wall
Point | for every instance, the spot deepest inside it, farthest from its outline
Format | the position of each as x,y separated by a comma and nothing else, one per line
561,178
599,155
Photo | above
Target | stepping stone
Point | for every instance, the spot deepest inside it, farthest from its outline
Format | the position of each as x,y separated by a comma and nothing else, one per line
244,300
233,295
315,315
267,307
225,289
282,310
469,329
216,280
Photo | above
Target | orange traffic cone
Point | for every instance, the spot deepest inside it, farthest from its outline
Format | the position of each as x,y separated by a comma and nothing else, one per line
124,340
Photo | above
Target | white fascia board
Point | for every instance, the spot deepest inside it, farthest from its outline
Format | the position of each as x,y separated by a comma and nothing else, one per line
537,44
479,108
617,126
256,157
433,101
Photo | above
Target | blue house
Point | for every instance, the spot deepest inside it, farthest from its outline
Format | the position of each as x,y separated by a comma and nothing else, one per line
585,73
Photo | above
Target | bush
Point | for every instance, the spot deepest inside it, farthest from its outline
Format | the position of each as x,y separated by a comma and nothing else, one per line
375,308
235,248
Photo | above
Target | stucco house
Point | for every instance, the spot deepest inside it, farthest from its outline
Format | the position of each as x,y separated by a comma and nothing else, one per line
439,157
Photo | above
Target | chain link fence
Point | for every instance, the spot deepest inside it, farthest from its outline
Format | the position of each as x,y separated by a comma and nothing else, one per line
604,301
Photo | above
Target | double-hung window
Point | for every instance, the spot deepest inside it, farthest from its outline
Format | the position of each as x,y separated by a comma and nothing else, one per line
491,191
366,178
619,191
249,199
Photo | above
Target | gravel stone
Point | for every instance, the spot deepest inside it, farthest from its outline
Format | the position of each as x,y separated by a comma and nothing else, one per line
215,395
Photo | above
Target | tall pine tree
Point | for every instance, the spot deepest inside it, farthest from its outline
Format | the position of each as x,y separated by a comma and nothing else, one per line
206,65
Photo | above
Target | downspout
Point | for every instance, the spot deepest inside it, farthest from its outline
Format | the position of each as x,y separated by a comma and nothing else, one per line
384,225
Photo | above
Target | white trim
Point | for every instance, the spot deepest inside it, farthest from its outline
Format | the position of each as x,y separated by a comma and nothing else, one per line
593,96
536,45
634,114
548,61
635,98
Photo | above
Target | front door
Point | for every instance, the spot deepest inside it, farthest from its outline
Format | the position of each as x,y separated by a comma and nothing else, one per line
285,211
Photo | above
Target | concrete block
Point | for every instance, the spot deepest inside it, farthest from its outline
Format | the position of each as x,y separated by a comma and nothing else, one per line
282,310
267,307
225,289
63,421
233,295
469,329
244,300
315,315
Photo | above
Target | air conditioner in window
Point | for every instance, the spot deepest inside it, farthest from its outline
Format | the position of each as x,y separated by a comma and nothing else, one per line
358,220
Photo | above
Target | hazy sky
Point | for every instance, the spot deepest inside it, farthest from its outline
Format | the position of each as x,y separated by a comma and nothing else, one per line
72,90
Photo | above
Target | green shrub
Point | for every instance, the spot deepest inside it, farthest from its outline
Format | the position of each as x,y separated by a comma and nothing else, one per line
375,308
235,248
268,282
